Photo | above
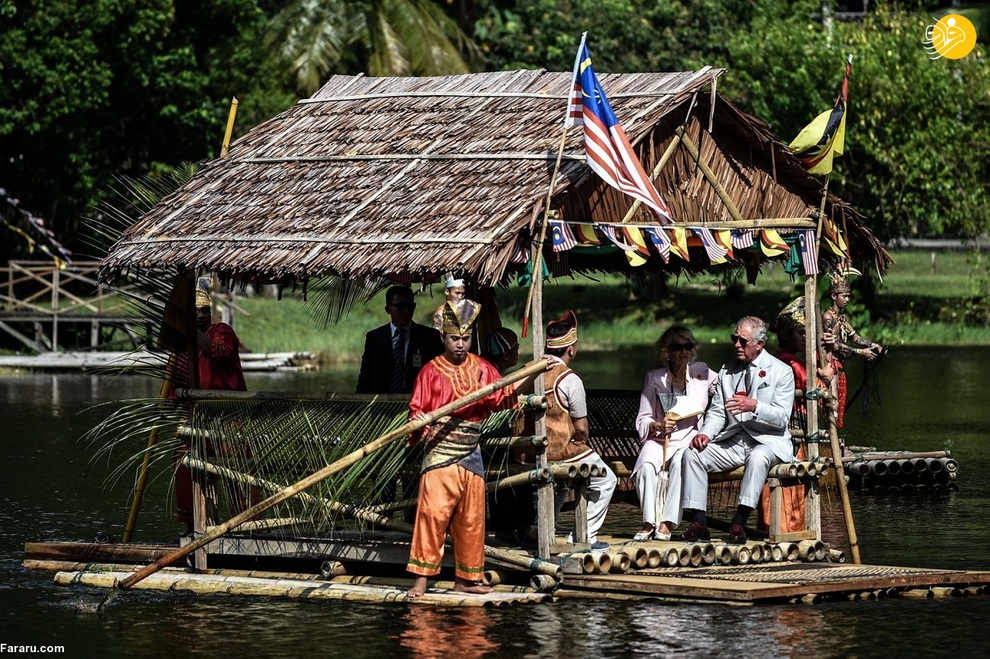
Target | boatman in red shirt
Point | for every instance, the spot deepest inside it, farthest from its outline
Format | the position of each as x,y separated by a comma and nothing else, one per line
219,368
452,481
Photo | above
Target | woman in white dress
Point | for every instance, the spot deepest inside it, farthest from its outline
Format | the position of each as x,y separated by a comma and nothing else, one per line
690,385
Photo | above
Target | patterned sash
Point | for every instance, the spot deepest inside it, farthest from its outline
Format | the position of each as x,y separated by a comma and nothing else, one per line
450,441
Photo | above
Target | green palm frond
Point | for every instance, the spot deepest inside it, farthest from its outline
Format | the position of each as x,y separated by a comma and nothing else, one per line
334,297
400,37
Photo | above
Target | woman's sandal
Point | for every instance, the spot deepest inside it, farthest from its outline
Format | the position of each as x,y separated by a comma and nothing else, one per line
645,534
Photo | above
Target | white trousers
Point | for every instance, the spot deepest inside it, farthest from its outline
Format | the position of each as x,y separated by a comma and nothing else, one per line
736,451
647,484
599,492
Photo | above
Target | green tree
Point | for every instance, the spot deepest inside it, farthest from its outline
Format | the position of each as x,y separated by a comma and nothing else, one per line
379,37
96,88
917,158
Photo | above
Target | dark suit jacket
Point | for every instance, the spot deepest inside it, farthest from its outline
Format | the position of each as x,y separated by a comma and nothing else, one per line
425,343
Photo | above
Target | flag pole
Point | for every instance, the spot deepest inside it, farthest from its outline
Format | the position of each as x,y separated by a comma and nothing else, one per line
537,259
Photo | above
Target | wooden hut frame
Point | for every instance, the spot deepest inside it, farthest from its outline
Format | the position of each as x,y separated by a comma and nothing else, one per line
406,179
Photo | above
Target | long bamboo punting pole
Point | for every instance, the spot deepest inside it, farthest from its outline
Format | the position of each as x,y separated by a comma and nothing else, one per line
142,480
330,470
840,479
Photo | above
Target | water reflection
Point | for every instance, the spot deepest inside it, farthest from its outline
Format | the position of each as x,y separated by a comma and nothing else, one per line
431,632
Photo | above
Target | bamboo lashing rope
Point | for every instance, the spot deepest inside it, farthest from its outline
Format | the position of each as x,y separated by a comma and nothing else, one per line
331,469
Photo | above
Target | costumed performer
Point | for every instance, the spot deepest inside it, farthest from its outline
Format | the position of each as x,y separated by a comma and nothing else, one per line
452,481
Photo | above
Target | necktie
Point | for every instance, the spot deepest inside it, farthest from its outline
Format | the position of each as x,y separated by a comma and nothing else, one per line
399,360
749,378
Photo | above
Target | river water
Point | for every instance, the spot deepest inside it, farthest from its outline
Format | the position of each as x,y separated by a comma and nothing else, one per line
51,489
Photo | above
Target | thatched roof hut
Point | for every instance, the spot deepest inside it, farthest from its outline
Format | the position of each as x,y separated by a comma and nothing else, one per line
410,178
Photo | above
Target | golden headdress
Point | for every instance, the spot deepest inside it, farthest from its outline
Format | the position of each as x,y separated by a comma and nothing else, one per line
459,316
563,331
790,317
204,293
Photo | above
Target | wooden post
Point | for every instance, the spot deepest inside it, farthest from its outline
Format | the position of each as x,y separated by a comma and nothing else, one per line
544,491
55,302
580,510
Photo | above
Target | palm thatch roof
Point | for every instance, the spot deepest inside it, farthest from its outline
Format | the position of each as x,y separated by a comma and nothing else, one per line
410,178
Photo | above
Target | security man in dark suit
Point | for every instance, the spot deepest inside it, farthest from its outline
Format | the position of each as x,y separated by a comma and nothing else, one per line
394,353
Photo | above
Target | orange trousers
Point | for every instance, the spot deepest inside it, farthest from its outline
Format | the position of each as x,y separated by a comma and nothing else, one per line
451,497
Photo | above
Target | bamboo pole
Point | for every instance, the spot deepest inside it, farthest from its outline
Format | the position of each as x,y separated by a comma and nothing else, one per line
656,171
710,175
813,357
537,259
230,127
840,480
197,464
142,480
330,470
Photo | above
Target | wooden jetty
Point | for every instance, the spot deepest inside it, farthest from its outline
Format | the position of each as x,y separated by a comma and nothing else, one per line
106,360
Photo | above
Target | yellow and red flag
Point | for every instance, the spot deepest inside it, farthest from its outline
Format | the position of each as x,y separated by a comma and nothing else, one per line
825,137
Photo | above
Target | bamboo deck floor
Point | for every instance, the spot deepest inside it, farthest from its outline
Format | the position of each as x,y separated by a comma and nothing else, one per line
762,583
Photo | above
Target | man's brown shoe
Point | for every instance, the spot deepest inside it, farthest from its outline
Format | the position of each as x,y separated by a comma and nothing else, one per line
697,533
737,535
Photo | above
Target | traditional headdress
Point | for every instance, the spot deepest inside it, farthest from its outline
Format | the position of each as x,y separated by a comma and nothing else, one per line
563,331
790,317
839,282
501,341
459,316
453,283
204,294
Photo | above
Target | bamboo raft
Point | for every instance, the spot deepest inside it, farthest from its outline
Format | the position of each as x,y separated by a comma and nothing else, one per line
883,472
757,572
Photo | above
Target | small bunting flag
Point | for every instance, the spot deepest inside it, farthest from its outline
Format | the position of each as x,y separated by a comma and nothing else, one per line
660,240
771,243
716,252
563,237
679,243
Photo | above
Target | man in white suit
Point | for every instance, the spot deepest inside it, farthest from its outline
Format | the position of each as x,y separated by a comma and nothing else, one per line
746,424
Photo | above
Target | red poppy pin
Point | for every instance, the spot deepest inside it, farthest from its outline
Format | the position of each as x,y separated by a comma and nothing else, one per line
762,374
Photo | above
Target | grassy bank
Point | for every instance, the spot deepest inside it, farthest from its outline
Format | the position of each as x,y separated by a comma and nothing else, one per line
913,306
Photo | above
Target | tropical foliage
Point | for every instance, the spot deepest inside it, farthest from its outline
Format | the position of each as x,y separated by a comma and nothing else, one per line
94,89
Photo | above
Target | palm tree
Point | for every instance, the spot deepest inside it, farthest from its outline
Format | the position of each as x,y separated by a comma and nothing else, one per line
381,37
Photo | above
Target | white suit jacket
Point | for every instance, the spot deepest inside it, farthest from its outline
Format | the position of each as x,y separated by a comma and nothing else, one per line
772,385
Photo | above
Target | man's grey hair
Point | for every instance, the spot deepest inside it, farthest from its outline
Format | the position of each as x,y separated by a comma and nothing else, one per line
757,325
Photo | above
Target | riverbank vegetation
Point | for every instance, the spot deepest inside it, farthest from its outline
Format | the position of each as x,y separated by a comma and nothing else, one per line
918,303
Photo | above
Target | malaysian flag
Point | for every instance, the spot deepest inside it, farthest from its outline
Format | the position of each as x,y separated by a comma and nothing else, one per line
742,238
809,251
563,237
609,232
660,240
520,254
716,251
608,150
